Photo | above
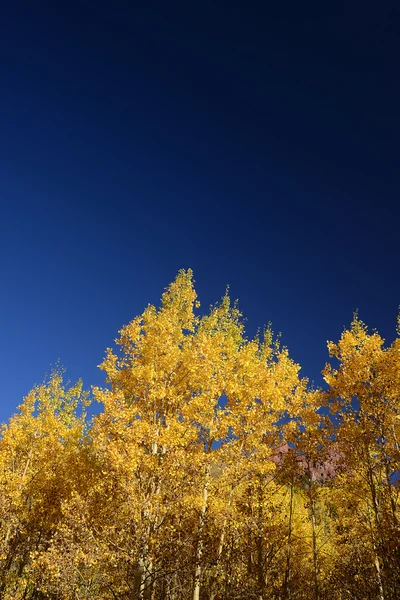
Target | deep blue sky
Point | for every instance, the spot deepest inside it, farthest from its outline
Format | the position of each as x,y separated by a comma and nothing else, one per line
257,143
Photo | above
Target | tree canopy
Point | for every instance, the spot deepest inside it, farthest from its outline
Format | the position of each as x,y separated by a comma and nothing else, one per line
213,470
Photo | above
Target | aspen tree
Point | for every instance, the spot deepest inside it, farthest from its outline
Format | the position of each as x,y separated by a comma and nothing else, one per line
365,389
37,450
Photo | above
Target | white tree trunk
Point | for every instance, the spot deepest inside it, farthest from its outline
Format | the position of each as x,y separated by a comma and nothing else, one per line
200,542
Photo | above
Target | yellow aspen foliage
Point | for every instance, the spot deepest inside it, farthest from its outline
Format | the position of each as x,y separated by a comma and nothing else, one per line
211,472
38,450
364,390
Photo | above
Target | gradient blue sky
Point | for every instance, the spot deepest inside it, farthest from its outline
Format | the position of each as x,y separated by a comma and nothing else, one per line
255,142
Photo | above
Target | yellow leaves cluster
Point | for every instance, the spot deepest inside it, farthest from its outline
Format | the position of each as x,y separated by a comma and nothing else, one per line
209,471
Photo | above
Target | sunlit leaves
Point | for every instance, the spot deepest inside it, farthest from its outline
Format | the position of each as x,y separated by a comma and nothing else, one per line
210,472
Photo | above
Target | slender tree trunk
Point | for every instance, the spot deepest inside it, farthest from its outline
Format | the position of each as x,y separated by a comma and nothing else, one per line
260,549
142,576
394,558
223,530
392,500
222,539
286,584
376,559
200,541
381,547
154,589
379,577
315,549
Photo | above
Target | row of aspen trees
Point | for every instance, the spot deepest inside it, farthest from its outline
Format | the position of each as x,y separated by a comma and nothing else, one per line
212,471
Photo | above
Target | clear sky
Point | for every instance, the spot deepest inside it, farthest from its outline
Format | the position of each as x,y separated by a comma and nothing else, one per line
255,142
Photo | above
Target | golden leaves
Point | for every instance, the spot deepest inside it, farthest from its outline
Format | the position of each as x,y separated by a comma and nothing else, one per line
209,463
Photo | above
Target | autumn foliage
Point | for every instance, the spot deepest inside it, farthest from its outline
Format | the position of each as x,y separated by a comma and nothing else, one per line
211,472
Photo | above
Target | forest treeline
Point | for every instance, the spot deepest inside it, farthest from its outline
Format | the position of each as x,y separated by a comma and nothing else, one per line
212,472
